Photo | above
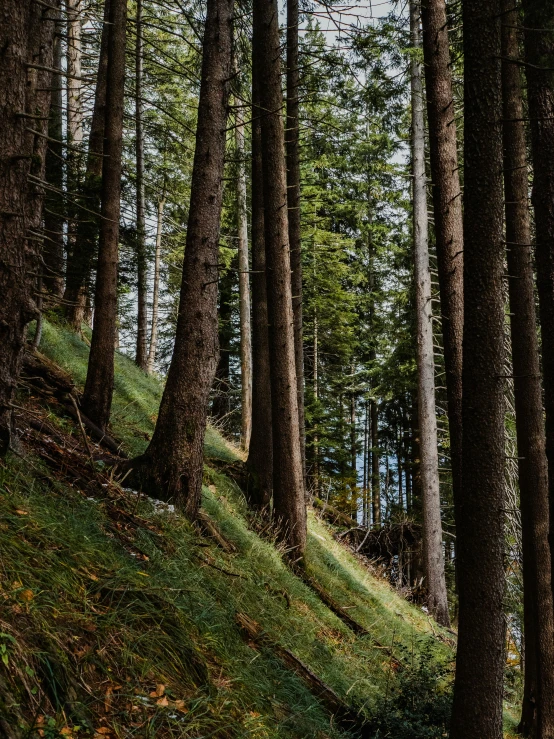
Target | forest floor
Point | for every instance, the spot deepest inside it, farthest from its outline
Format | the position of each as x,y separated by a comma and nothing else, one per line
118,618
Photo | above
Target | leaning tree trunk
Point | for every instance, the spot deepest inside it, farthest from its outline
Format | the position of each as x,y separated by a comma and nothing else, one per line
289,507
26,40
478,688
54,218
172,466
292,139
244,287
80,254
141,357
97,398
260,456
447,210
437,599
156,288
539,58
538,700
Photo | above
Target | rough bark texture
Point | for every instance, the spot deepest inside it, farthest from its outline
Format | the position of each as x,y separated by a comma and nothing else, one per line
141,357
435,582
221,405
53,200
538,701
478,690
81,253
447,210
74,122
156,288
97,398
539,57
26,33
292,137
172,466
244,288
260,456
288,480
74,84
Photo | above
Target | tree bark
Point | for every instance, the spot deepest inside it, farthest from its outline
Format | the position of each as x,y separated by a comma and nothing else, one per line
538,701
292,141
141,357
447,210
97,397
478,689
437,600
80,254
260,457
244,287
156,288
74,122
289,507
172,465
74,71
221,405
26,37
539,58
375,473
54,208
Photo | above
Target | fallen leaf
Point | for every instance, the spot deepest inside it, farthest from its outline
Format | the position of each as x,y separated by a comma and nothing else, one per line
66,731
27,595
162,702
21,513
180,706
103,730
160,690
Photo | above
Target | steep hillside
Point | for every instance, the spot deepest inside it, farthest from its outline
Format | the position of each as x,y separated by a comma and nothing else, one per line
121,619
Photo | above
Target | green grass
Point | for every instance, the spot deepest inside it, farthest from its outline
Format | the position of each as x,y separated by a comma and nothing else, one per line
95,616
136,395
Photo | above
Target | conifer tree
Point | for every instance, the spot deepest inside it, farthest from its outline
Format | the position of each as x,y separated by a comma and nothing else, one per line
478,688
171,467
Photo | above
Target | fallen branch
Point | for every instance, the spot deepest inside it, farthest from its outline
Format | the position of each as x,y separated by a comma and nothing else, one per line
346,716
210,529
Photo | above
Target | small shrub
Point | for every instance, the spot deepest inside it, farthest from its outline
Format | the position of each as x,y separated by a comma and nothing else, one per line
419,703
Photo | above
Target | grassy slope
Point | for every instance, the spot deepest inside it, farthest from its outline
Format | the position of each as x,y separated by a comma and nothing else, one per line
92,627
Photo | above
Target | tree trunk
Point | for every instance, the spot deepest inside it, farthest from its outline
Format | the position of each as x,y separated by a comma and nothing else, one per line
478,689
26,36
221,405
538,702
80,254
365,517
74,85
539,58
54,219
288,481
447,207
292,139
375,475
244,287
399,468
437,600
173,463
141,357
260,456
354,455
74,122
97,398
156,289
